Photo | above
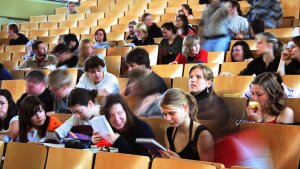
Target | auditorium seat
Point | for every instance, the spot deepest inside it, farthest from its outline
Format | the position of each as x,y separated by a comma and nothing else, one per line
159,163
237,107
157,4
100,8
88,3
62,117
60,10
37,33
176,3
282,141
231,85
292,81
101,51
25,156
171,71
59,31
293,103
3,34
113,65
11,64
233,67
115,36
83,9
89,22
105,26
158,127
118,51
76,17
48,25
17,74
15,48
216,57
64,158
5,56
181,83
126,19
56,18
107,160
96,15
80,30
168,17
281,32
24,26
1,151
41,18
49,39
123,83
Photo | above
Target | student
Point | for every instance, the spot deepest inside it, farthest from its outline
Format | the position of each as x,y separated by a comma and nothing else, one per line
138,58
71,8
33,121
60,85
269,49
16,38
126,126
83,105
293,68
171,45
101,40
185,138
64,56
188,12
36,85
152,29
142,37
210,106
191,52
72,42
95,78
40,59
271,99
131,29
183,28
8,110
4,73
241,52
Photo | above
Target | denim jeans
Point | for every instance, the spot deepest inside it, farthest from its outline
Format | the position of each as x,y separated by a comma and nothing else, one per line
216,44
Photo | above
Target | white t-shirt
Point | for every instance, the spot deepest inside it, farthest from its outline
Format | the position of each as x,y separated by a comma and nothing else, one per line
109,82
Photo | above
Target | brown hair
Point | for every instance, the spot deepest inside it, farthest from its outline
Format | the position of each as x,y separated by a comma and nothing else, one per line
29,106
82,97
175,98
113,99
271,83
82,58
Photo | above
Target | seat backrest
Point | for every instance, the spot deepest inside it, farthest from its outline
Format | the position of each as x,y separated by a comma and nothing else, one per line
281,32
16,87
228,85
282,141
158,127
293,103
237,107
292,81
181,83
233,67
62,117
107,160
25,156
17,74
1,151
15,48
123,84
61,158
74,73
171,71
41,18
159,163
153,53
118,51
113,65
216,57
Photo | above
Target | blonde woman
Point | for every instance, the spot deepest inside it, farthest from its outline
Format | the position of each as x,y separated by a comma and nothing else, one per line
142,37
185,138
191,52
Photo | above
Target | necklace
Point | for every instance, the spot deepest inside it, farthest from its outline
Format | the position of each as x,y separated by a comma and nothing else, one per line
264,117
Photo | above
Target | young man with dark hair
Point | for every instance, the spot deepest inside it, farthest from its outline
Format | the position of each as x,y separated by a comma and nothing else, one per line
64,56
71,8
152,29
138,59
95,78
16,38
41,59
36,85
131,35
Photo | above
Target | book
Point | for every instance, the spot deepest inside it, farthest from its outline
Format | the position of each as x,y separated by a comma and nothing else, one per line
101,125
152,145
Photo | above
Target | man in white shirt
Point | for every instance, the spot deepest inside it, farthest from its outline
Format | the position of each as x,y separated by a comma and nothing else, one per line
95,78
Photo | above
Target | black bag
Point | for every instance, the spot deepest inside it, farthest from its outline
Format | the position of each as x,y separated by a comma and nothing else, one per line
78,144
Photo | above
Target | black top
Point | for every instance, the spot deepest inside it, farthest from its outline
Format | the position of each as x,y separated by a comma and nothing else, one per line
258,66
69,63
46,97
154,31
190,151
212,108
21,40
126,142
293,68
153,83
173,49
147,41
131,37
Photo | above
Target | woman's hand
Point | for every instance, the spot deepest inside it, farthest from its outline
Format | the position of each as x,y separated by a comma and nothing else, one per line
168,154
254,114
112,137
285,55
103,92
96,137
174,62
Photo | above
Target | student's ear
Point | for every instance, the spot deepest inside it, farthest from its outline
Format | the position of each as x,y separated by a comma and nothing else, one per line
90,104
186,107
209,83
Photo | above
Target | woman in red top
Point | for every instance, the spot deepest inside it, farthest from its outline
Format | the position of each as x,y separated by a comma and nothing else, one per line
191,52
270,106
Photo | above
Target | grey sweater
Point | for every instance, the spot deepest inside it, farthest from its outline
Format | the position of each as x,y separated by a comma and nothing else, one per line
215,20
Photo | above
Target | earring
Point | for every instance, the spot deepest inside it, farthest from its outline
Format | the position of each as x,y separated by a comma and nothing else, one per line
207,90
